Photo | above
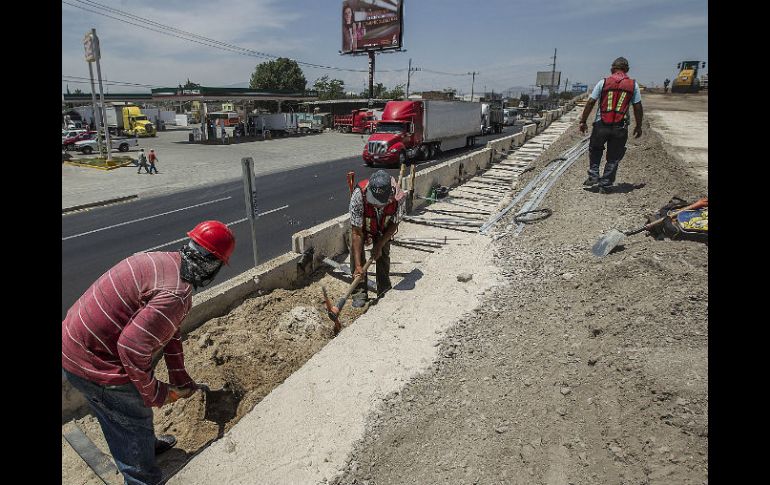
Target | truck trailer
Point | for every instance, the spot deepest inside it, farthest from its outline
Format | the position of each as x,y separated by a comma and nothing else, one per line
276,123
420,129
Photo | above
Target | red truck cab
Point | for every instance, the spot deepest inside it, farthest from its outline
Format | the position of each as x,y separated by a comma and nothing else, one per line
398,132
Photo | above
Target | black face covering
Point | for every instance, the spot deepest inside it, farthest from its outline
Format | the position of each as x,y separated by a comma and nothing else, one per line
199,267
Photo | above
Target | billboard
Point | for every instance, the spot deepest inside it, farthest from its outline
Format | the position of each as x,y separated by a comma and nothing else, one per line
544,78
579,88
371,25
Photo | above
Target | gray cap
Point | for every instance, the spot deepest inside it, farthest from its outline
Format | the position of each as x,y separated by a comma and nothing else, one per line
620,63
380,188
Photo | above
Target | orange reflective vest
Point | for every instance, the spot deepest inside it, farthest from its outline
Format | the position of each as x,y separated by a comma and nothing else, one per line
617,93
373,226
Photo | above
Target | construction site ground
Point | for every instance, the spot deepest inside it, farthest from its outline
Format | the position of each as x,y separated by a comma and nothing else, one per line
546,366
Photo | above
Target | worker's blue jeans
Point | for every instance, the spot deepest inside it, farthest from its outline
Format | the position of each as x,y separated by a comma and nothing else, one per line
615,137
127,426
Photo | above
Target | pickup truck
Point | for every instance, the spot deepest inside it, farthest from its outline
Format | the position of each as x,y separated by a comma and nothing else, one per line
120,144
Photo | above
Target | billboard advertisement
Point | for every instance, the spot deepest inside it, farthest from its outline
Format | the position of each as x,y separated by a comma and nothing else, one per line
544,78
371,25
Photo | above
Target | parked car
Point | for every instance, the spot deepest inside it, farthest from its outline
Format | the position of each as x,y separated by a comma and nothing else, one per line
69,143
120,144
70,133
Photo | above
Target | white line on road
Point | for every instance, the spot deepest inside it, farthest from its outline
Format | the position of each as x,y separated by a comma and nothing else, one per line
228,224
144,218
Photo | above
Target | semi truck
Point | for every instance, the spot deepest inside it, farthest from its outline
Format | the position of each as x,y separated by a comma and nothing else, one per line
130,121
491,118
420,129
310,123
358,121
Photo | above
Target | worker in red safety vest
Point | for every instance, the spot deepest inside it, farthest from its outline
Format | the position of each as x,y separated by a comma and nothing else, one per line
111,335
376,208
615,94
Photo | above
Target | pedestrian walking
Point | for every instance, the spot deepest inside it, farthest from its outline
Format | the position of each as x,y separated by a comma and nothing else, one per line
142,162
376,208
153,158
615,94
110,335
224,134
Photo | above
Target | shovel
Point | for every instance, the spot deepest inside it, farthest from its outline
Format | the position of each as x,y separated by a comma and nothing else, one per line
333,311
612,239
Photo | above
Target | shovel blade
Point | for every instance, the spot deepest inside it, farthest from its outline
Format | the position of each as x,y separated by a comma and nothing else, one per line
607,243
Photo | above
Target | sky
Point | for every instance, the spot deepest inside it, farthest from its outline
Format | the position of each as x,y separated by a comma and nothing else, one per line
505,41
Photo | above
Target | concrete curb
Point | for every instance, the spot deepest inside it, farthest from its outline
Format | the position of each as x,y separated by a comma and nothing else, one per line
98,203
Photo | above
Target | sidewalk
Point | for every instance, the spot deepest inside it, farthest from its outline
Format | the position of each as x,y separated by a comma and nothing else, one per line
183,165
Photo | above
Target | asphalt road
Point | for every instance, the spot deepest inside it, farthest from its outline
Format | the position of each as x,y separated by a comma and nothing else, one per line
288,202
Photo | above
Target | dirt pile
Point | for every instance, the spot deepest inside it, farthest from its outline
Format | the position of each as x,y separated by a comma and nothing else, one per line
580,370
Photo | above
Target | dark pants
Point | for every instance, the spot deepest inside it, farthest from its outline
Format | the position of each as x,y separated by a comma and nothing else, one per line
153,167
127,426
614,136
383,274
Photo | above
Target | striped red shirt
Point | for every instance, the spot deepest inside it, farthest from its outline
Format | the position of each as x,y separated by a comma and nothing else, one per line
130,313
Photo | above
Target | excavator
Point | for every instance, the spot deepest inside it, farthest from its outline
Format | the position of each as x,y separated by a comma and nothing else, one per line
687,80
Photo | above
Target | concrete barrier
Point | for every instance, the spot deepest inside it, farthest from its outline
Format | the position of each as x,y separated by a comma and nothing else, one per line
327,239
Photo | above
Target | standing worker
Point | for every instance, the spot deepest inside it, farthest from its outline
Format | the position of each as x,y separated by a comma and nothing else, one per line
109,338
153,158
665,85
142,162
376,208
615,94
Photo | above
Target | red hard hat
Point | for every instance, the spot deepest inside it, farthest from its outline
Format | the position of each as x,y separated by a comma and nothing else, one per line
215,237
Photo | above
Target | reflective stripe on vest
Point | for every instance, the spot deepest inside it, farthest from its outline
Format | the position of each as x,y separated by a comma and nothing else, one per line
617,91
372,227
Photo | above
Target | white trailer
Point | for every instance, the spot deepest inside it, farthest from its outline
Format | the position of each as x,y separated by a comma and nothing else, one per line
450,122
277,123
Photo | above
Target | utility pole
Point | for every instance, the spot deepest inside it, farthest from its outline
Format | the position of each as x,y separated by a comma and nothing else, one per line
98,56
409,75
553,73
88,44
473,81
371,78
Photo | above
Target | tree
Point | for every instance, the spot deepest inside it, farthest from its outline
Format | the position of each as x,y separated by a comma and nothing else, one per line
78,91
281,74
397,92
329,89
190,85
524,99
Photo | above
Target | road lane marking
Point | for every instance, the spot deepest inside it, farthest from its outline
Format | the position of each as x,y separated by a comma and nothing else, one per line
144,218
228,224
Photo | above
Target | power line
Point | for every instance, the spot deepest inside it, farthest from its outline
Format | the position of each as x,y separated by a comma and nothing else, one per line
73,78
204,40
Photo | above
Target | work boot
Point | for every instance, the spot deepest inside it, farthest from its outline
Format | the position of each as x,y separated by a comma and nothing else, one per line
591,181
164,443
605,189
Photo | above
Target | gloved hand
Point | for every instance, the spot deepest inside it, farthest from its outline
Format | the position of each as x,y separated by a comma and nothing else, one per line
176,393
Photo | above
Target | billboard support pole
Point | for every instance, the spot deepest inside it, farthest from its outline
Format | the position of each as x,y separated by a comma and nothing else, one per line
371,78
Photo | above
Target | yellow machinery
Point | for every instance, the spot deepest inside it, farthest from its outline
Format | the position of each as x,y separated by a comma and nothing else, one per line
687,80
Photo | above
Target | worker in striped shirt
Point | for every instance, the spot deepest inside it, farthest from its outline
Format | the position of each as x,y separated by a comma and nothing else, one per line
132,313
